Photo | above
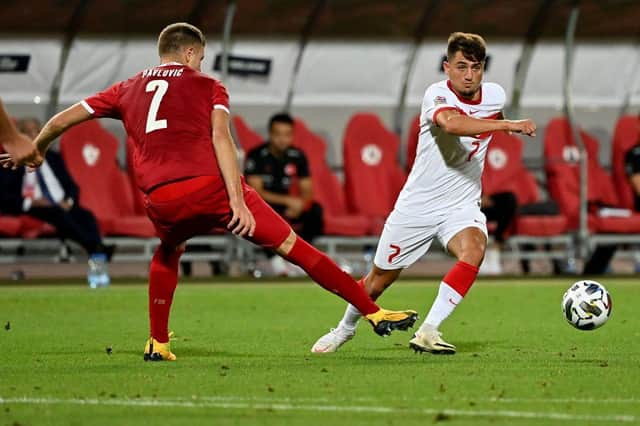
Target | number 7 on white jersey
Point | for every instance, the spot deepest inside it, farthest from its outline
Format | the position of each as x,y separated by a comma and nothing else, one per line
160,88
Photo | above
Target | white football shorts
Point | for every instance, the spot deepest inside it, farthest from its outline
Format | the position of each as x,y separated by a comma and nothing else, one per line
405,239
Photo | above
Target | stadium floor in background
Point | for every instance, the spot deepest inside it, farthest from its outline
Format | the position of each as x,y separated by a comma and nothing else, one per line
74,356
427,267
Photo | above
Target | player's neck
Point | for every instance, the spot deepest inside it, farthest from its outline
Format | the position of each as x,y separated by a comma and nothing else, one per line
171,60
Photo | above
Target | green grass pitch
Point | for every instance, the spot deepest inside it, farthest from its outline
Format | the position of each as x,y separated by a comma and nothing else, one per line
243,359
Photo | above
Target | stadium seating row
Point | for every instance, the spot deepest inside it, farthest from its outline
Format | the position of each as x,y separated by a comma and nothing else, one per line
373,178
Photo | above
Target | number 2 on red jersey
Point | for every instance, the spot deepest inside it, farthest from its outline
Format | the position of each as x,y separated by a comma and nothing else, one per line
160,88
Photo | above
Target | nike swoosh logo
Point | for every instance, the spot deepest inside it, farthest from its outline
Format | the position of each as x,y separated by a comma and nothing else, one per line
452,302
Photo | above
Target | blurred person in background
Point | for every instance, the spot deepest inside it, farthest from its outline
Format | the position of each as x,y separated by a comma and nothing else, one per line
280,173
500,208
51,195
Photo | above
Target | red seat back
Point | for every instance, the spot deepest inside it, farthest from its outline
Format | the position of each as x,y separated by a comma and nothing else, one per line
327,189
90,154
247,137
412,142
625,137
373,177
138,200
504,170
563,170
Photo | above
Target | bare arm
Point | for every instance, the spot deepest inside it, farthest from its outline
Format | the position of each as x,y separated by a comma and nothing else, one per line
242,222
634,179
14,142
32,154
306,189
59,124
8,132
454,123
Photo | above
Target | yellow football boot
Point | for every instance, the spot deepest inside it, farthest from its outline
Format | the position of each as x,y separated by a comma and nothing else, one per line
385,321
156,351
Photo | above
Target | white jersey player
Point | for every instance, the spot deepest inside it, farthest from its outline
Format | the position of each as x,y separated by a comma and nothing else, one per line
441,198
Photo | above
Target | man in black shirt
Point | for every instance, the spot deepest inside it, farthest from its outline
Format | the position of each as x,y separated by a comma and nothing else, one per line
280,174
632,168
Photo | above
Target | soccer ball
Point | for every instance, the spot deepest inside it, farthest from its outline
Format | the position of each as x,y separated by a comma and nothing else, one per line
586,305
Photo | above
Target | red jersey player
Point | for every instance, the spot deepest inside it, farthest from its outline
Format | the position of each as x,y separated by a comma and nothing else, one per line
186,164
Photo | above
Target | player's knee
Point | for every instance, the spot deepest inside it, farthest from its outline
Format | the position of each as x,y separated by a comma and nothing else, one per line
473,255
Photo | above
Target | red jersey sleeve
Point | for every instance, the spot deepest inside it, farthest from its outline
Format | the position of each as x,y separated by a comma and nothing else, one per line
105,103
220,97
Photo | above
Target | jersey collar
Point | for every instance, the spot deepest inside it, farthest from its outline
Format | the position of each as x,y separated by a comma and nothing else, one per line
171,64
463,100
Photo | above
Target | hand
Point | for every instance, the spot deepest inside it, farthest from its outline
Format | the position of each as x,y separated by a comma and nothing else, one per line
65,205
242,222
527,127
21,152
295,207
40,202
486,202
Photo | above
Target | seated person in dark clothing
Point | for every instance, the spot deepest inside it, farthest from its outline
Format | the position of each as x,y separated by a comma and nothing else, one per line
632,168
51,195
500,208
280,174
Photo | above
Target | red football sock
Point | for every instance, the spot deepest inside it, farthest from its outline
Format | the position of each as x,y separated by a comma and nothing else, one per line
461,277
325,272
163,279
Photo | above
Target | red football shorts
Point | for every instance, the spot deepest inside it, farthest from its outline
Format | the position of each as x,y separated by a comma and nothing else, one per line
200,206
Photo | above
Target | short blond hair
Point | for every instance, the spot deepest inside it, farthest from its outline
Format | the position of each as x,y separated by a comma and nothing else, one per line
176,36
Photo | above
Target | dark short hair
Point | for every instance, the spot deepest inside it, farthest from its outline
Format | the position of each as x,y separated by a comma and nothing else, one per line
472,46
176,36
281,117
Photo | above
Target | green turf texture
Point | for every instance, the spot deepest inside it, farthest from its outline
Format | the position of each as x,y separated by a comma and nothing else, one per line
243,359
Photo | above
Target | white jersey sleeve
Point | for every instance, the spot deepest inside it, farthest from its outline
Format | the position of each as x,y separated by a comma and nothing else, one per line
436,99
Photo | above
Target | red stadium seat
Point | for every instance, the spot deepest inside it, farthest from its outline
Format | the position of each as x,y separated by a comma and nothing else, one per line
90,153
504,171
412,142
247,137
138,196
562,169
10,226
327,188
625,137
32,228
373,177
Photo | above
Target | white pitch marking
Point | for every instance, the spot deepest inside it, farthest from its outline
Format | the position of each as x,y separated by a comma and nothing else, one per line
282,406
435,398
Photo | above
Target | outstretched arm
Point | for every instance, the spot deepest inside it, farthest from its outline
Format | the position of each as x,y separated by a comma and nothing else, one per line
454,123
13,142
8,132
242,222
59,124
33,156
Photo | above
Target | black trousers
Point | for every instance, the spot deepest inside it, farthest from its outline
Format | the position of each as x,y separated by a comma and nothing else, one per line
77,224
310,224
502,212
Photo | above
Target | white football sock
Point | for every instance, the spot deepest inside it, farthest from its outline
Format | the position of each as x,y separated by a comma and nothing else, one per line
446,301
350,318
